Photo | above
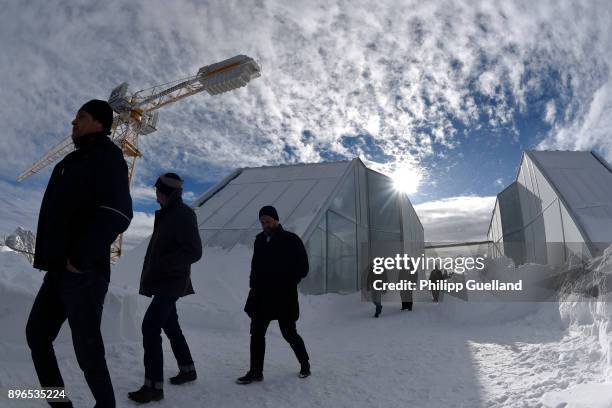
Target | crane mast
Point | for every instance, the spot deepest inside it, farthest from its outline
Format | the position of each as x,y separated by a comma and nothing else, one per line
137,113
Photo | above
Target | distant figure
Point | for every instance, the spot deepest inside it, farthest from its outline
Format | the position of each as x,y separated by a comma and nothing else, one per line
376,294
279,263
86,205
435,276
406,295
166,276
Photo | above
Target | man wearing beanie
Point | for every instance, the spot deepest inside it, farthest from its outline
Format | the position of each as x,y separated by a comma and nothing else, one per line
166,276
279,263
86,205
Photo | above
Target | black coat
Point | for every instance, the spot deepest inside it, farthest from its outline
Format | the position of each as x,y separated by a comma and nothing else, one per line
277,267
174,246
436,275
86,205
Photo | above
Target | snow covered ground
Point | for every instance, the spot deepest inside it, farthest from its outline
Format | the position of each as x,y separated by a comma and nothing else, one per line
453,354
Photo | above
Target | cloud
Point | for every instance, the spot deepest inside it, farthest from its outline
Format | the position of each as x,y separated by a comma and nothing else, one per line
456,219
140,228
405,72
551,112
143,194
398,84
593,131
19,207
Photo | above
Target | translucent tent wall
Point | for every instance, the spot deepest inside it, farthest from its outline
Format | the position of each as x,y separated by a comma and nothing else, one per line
338,209
560,206
365,211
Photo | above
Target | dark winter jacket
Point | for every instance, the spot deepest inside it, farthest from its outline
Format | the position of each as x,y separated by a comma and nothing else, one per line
436,275
174,246
86,205
277,267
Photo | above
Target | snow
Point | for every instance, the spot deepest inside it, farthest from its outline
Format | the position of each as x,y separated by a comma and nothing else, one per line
22,240
581,396
481,353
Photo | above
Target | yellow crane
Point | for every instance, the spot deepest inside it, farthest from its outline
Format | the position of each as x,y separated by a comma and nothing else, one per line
137,113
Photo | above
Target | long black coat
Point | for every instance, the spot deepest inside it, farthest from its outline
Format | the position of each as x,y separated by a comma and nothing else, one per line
174,246
277,267
86,205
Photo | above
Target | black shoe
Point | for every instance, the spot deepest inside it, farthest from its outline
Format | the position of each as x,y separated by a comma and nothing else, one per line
378,311
249,378
183,377
64,404
304,371
407,306
146,394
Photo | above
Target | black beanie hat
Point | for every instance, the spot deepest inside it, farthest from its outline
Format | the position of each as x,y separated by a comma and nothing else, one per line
100,111
169,183
268,210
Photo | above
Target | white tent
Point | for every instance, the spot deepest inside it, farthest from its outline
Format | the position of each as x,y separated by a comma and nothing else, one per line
559,206
339,209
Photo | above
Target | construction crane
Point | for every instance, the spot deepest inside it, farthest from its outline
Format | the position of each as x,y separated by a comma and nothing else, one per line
137,113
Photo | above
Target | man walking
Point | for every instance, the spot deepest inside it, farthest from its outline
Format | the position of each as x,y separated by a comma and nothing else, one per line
375,294
407,275
166,276
279,263
435,277
86,205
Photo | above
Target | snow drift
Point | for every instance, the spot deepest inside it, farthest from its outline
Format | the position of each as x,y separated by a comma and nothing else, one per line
19,284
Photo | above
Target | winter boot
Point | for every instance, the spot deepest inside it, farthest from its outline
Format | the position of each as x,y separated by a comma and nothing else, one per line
146,394
304,370
249,378
183,377
407,306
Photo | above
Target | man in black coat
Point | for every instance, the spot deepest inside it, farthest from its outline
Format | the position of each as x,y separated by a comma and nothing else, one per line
86,205
279,263
166,276
435,277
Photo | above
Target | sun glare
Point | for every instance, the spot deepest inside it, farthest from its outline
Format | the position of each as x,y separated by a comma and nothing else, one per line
406,180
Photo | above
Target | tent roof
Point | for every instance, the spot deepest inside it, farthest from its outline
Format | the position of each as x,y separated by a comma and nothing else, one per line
227,213
583,181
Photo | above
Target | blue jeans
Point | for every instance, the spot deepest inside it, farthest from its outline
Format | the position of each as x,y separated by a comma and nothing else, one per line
78,297
161,315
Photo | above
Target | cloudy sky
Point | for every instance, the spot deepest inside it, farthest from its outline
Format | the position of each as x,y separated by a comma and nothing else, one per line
446,93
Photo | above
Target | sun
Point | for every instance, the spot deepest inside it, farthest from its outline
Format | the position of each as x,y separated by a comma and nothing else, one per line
407,179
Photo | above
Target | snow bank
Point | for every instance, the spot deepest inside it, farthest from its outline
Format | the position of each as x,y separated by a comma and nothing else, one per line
19,284
587,306
592,395
220,280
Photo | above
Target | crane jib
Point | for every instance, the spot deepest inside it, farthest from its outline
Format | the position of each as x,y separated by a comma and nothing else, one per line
168,91
135,116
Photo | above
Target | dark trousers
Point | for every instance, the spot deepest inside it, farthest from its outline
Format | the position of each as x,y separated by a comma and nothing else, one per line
161,314
258,342
78,297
